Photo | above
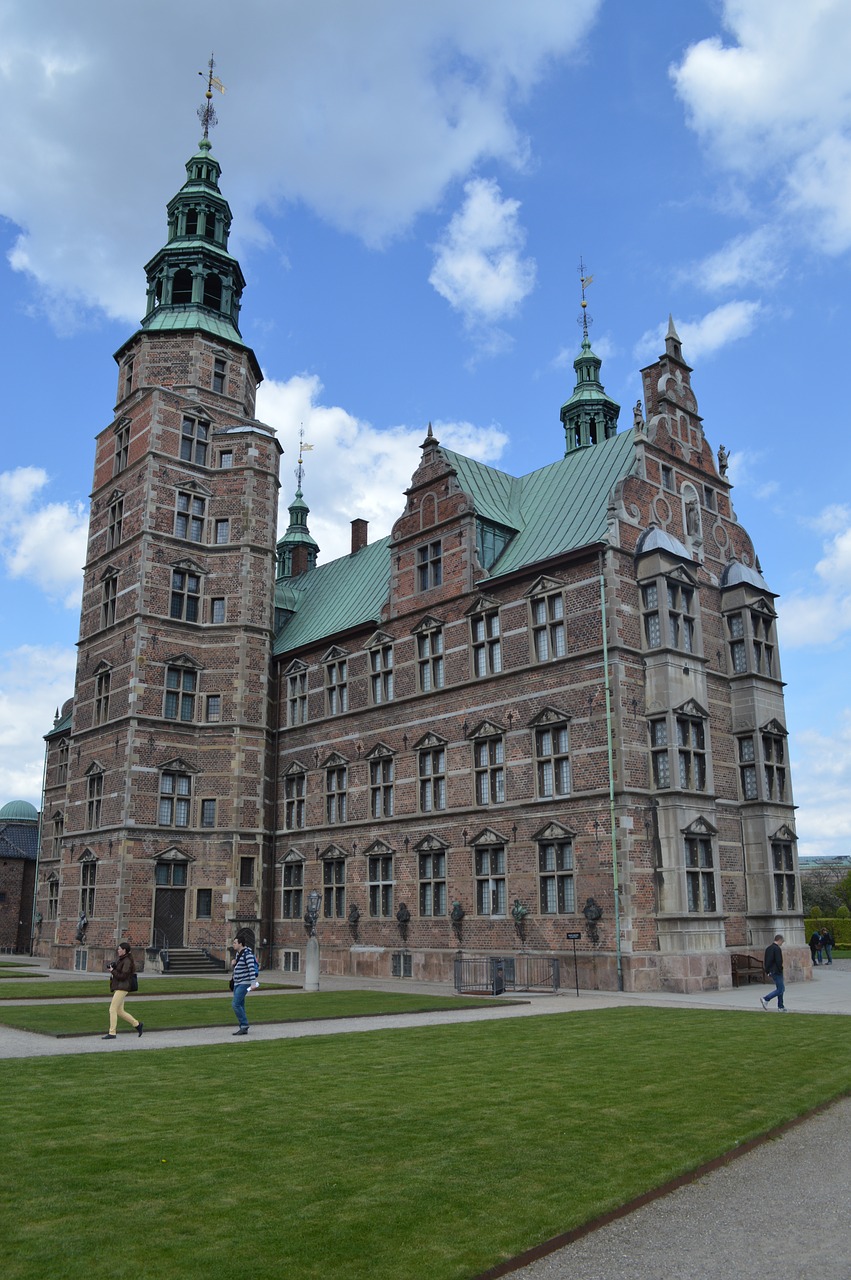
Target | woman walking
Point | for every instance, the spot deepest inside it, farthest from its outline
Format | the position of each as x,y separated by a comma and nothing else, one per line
121,975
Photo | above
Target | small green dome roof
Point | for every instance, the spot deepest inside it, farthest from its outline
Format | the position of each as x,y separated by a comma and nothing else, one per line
19,811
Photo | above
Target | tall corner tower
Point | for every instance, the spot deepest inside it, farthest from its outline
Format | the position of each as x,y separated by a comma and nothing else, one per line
166,829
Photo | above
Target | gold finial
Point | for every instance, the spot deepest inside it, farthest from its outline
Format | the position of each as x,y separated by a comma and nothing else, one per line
206,113
302,449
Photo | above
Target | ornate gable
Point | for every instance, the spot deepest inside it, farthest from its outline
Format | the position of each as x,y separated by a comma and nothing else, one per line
700,827
293,855
380,638
183,660
549,715
784,833
333,851
378,849
431,844
178,765
335,653
428,623
296,667
691,707
295,767
379,751
554,831
774,726
429,740
486,729
481,604
544,584
172,854
333,760
488,836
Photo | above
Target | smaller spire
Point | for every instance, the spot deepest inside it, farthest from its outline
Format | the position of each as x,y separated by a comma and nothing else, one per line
207,112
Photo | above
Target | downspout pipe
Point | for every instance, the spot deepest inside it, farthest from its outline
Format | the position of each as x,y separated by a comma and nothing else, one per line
610,750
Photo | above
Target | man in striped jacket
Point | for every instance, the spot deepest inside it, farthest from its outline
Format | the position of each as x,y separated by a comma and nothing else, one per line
244,978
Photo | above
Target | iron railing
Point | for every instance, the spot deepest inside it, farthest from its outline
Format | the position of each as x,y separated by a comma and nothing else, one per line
494,975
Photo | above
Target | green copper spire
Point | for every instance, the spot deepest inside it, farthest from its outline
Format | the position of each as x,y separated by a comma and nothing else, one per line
193,282
589,416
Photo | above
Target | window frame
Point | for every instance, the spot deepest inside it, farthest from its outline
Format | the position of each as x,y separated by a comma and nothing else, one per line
430,565
485,643
491,881
557,876
380,884
548,625
431,876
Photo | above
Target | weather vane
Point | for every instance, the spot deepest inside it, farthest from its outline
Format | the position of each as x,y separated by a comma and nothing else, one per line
302,449
207,112
584,318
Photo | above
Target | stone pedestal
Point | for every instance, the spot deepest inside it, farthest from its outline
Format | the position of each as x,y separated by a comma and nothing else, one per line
311,965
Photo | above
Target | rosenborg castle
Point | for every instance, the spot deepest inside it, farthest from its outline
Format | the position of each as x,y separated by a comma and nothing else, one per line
543,705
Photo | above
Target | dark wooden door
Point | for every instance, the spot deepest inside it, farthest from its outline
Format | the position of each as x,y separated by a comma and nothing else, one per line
169,916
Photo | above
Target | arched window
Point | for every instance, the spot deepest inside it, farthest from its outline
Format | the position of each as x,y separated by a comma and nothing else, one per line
213,292
181,289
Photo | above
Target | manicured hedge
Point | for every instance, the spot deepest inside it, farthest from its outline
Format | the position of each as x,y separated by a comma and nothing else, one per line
841,929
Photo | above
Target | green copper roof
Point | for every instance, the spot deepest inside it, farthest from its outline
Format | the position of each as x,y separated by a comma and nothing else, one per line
18,811
334,597
557,509
174,318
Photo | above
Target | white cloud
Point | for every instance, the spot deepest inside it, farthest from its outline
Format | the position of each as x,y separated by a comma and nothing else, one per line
773,102
365,112
478,267
354,469
700,338
822,618
755,258
34,682
42,543
821,780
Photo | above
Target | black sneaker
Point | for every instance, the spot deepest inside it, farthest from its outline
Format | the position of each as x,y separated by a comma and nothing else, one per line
140,1027
243,1031
107,1037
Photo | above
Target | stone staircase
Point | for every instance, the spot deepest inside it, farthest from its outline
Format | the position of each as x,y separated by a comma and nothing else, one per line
188,960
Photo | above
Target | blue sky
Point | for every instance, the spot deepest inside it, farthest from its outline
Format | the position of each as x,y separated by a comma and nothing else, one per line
413,187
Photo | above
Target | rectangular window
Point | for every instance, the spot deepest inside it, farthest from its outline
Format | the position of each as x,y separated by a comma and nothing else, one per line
487,646
650,603
185,595
115,524
88,884
667,479
432,867
691,741
381,787
763,649
774,758
700,876
709,498
297,699
381,674
189,517
203,904
94,799
380,870
53,899
432,767
208,813
219,368
337,687
214,707
217,609
181,684
555,871
548,636
429,566
747,769
785,889
222,532
246,873
489,769
175,799
102,683
430,659
736,629
226,459
336,783
122,448
553,761
293,901
295,785
291,961
62,762
194,439
334,888
680,616
490,880
128,376
659,753
109,596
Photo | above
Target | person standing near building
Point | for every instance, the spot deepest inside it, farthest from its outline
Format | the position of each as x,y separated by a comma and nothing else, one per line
121,974
244,978
774,968
828,944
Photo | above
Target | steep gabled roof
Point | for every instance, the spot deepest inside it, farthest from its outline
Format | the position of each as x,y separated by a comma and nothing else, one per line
556,509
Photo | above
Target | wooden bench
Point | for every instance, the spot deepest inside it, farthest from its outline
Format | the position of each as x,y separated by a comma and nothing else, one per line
747,968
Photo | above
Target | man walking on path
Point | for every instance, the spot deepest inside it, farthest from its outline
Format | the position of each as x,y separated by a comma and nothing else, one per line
246,972
774,968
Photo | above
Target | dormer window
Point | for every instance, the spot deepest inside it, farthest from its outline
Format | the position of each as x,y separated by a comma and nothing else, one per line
429,566
219,370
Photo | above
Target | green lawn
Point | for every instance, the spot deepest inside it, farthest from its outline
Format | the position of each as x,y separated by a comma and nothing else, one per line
98,988
91,1017
429,1154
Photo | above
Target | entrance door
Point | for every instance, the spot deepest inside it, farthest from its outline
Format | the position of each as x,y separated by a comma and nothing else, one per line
169,915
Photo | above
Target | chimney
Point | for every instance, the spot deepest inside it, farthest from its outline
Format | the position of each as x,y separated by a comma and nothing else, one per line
360,529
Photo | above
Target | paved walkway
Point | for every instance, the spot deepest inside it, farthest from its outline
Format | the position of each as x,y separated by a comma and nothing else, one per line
779,1211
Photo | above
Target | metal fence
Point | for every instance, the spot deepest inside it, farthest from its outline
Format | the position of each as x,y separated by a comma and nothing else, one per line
492,975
